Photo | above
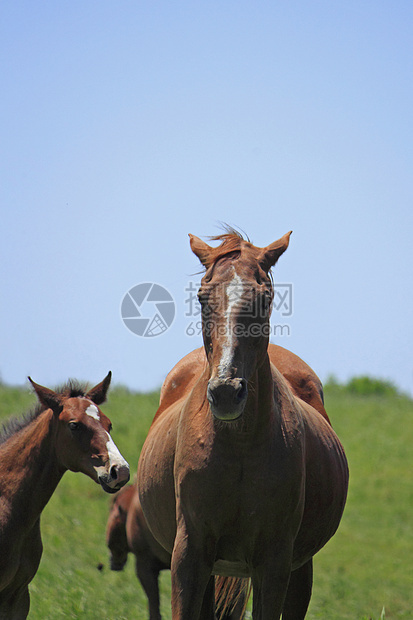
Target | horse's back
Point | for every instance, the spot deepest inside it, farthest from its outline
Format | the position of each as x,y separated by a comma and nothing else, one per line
301,378
181,379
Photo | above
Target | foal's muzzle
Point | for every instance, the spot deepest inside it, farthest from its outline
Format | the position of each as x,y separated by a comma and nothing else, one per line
227,398
118,564
117,477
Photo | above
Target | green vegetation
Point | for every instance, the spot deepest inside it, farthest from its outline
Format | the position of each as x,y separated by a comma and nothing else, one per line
367,567
365,572
364,385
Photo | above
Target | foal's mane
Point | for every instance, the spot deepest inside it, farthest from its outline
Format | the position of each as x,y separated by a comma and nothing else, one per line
71,389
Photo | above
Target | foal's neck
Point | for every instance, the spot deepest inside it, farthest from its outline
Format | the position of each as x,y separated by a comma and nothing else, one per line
32,469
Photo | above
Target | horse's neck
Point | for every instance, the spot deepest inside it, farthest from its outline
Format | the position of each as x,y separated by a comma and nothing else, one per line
260,405
260,408
30,461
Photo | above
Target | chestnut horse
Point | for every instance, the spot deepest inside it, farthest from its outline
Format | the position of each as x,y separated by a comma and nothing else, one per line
127,531
66,431
239,476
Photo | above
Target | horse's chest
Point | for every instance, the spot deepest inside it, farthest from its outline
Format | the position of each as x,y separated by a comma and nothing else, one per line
234,486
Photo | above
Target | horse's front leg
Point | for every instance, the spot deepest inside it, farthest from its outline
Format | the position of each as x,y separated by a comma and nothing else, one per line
299,593
270,581
192,584
17,607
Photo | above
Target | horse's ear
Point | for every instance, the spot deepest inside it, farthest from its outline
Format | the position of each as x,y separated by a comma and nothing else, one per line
200,249
98,393
269,255
47,398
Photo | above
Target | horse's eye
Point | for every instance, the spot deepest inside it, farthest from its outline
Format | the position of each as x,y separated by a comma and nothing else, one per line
74,426
265,303
204,302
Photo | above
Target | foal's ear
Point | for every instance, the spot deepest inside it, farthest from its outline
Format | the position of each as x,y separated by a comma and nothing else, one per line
98,393
47,398
200,249
269,255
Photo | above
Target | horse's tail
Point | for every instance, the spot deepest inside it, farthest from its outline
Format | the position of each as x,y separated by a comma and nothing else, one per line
231,597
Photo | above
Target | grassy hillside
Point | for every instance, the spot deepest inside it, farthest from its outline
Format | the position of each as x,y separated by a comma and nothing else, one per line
366,567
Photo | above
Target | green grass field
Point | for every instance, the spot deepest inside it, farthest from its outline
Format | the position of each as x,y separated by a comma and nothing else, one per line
365,572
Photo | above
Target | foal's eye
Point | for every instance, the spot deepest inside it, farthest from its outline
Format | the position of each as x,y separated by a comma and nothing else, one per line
74,426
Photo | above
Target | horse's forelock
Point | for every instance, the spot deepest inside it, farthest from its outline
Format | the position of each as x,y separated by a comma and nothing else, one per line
72,389
232,242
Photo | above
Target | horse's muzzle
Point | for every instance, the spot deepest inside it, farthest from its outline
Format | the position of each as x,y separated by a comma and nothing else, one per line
117,477
227,398
118,564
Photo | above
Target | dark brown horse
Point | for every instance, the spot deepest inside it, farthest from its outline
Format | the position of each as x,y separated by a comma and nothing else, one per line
238,475
127,531
66,431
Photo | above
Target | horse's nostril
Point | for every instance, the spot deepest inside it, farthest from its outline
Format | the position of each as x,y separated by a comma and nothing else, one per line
113,472
210,396
242,391
227,395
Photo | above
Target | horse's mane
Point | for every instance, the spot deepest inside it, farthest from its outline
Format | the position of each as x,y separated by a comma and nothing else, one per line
71,389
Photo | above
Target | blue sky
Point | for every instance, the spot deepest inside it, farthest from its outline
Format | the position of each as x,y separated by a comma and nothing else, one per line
127,125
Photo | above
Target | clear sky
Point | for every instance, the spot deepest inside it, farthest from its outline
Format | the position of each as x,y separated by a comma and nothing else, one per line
127,125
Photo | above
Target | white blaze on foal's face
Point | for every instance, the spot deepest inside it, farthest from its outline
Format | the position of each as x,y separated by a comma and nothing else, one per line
115,457
234,291
93,412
